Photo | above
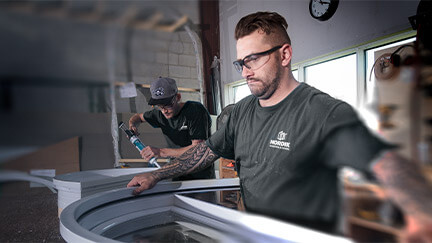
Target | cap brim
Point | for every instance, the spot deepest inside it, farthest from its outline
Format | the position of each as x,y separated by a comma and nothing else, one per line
166,101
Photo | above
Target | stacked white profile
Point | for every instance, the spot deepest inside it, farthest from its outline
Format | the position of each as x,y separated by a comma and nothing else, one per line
74,186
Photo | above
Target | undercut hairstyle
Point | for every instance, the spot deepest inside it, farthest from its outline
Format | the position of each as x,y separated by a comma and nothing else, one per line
268,22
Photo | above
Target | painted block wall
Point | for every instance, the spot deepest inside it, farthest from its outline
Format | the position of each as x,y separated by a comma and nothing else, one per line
55,67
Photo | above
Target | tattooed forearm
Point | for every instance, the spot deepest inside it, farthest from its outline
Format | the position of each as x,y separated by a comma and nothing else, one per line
195,159
406,184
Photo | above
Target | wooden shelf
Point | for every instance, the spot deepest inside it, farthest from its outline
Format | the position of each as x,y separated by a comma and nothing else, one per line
224,170
368,199
228,168
375,225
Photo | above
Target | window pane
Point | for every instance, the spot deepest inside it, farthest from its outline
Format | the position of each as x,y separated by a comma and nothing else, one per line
295,74
337,78
370,60
369,112
240,92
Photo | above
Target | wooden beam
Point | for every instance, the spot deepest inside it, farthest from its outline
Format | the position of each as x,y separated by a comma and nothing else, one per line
147,86
173,27
150,23
209,16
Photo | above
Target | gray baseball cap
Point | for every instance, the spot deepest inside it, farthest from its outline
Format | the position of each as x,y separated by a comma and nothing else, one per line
162,91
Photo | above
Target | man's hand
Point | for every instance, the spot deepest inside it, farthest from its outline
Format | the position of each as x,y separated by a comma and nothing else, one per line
143,181
406,185
134,122
418,232
134,129
149,152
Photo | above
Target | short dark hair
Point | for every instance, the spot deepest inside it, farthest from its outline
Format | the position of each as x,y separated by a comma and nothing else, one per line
268,22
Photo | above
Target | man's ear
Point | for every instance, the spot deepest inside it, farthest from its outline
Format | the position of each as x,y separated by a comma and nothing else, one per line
178,97
286,54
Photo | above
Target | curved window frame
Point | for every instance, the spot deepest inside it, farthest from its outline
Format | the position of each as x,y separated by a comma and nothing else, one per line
89,218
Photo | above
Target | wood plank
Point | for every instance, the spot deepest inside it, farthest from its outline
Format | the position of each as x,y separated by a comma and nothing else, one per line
63,157
147,86
374,225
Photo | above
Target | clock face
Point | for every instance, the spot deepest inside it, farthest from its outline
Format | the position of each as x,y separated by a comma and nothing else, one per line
322,9
319,7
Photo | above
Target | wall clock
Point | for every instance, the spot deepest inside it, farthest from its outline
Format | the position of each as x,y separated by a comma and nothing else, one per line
322,9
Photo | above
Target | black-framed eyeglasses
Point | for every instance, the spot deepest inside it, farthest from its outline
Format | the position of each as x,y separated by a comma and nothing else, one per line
254,60
169,106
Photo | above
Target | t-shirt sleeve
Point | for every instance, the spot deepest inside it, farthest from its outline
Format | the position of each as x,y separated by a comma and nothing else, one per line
222,141
353,146
340,115
152,118
347,142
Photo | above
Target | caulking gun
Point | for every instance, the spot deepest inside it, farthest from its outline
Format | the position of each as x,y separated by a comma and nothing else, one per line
137,142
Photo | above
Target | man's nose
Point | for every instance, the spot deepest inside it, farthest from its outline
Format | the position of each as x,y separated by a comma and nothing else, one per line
246,72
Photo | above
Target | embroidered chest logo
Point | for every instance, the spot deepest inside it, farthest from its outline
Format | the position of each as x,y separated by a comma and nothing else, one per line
183,127
279,142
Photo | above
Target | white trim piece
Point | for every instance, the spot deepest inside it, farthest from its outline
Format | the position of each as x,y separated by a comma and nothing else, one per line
74,186
12,175
275,229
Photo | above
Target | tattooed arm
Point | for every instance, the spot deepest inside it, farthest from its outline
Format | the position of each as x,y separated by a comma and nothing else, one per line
195,159
408,188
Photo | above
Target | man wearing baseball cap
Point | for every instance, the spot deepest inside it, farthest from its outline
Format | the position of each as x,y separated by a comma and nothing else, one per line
184,125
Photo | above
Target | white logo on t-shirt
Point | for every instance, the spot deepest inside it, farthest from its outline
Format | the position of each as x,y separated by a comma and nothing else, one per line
280,143
281,135
183,127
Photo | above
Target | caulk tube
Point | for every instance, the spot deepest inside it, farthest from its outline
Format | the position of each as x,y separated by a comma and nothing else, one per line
137,142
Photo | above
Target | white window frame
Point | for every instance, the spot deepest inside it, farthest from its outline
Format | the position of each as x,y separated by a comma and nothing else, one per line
229,91
117,212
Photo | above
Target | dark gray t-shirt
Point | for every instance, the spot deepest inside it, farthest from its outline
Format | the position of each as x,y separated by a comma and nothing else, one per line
287,155
192,122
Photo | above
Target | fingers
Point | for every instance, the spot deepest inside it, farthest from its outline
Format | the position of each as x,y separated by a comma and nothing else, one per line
134,130
147,153
417,231
132,183
144,181
140,189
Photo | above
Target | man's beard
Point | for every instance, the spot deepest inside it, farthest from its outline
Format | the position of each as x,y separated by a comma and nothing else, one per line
267,89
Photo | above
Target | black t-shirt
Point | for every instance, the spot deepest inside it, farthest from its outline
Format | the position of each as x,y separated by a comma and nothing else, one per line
288,155
192,122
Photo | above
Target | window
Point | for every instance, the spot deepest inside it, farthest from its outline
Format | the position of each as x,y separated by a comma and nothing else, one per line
295,74
371,117
337,77
241,91
370,60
